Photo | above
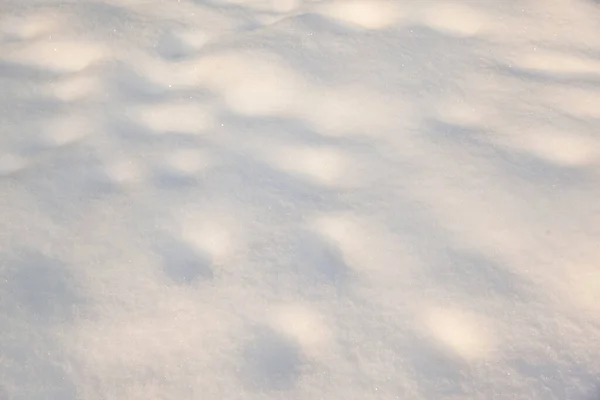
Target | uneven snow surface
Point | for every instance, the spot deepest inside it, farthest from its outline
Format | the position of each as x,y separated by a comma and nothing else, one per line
299,199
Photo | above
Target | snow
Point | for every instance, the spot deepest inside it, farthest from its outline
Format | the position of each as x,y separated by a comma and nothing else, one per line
299,199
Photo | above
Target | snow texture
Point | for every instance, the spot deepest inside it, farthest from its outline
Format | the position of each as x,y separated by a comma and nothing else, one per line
299,199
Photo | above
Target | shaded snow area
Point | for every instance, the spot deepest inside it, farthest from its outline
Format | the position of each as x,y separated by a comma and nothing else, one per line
299,199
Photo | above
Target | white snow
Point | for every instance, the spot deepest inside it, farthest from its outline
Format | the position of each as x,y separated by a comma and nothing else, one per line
299,199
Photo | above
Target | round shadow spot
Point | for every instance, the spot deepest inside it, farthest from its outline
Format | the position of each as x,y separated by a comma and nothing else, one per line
320,260
272,361
184,265
42,286
171,47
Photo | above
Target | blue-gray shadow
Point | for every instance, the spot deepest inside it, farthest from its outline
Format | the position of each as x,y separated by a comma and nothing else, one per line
271,361
183,264
37,293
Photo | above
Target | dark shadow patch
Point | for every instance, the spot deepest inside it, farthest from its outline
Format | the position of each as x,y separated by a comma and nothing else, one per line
558,381
440,129
41,286
541,172
319,260
312,22
113,21
184,265
24,72
36,292
21,100
438,373
129,132
594,393
272,361
262,129
68,180
475,142
130,85
171,178
40,378
477,275
143,137
255,172
172,48
468,140
237,11
585,81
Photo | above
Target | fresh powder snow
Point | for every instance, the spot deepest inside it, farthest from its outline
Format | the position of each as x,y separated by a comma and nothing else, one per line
299,199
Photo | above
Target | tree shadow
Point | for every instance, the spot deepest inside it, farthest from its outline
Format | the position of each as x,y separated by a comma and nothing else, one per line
37,294
272,361
478,275
319,261
439,374
558,381
549,78
41,287
184,265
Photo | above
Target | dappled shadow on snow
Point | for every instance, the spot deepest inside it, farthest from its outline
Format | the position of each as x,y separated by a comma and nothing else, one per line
273,361
298,198
38,296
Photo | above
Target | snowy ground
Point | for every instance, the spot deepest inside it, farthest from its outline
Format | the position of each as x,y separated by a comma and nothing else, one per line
299,199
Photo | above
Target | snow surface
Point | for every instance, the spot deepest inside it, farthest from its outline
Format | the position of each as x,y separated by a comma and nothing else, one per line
299,199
